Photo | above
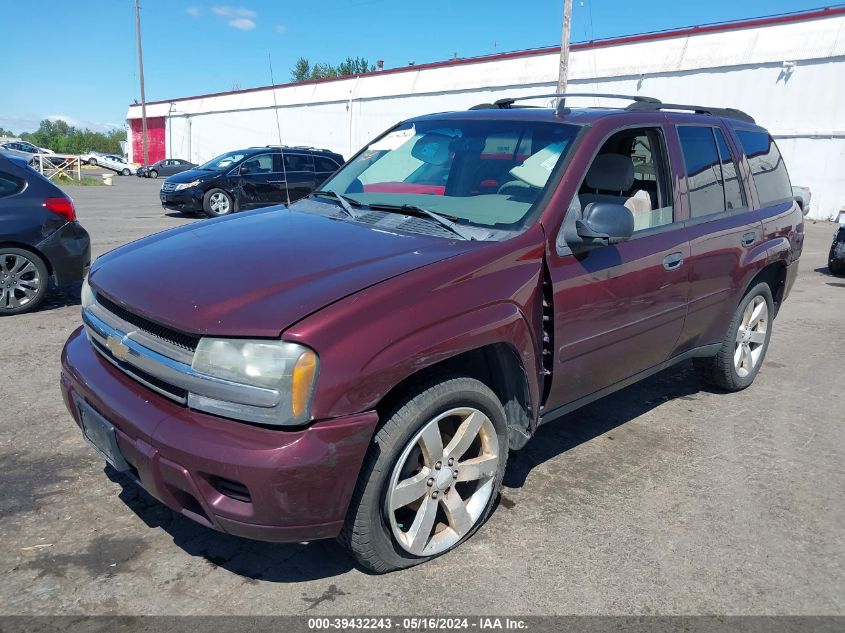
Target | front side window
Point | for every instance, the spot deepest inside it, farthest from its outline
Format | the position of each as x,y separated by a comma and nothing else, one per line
767,167
481,172
630,170
262,164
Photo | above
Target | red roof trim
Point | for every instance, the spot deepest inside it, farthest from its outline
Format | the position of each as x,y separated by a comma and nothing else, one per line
826,12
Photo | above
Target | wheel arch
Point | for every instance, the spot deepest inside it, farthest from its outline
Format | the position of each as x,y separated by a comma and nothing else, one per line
497,365
773,274
31,249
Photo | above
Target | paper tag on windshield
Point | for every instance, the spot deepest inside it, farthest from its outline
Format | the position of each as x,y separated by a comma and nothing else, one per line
551,161
394,140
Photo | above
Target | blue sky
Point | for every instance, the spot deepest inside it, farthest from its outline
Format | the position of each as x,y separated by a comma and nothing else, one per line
88,74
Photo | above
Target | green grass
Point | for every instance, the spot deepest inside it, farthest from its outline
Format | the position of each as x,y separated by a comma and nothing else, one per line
87,181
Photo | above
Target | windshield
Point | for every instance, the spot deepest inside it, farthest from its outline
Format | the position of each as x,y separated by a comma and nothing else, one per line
223,161
481,172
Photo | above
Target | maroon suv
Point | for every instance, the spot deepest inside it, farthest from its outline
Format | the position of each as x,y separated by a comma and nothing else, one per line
359,364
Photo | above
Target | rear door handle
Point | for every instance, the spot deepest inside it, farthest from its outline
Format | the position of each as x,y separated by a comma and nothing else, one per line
673,261
749,238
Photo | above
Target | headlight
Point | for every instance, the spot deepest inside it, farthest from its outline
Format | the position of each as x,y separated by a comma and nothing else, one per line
88,296
187,185
283,375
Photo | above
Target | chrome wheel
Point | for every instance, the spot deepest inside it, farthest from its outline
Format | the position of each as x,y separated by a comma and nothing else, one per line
443,481
20,281
751,336
219,203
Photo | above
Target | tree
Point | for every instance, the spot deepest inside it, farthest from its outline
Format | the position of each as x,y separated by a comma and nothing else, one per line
303,70
323,71
66,139
357,66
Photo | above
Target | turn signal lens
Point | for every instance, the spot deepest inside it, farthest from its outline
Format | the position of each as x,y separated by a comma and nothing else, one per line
303,381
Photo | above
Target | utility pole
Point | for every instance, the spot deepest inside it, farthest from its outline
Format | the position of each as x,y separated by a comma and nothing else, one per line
141,75
564,46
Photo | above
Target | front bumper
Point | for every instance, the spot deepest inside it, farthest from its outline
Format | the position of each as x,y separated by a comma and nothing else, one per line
266,484
185,200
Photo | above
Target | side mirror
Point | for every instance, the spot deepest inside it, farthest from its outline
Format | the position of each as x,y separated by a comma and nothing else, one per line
604,223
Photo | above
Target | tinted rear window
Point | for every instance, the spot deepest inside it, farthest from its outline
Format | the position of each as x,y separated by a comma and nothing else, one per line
767,167
324,164
704,171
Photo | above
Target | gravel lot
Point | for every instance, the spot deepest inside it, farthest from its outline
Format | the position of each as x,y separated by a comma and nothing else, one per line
663,498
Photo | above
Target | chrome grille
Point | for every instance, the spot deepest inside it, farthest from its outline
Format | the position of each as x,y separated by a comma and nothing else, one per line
168,187
179,339
161,358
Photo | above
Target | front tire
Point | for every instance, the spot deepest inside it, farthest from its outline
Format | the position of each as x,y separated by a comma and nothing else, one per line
431,476
836,257
217,203
23,281
745,344
125,172
92,161
152,174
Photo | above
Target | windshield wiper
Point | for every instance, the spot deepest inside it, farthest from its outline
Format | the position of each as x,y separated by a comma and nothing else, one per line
412,209
346,203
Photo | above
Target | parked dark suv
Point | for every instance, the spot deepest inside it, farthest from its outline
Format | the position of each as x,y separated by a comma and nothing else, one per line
249,179
365,366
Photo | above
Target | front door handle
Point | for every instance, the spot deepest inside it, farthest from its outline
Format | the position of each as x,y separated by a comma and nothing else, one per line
749,238
673,261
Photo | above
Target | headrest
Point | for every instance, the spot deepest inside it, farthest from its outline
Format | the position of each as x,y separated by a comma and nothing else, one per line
611,172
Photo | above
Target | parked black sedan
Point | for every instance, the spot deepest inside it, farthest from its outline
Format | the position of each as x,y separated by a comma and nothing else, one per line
166,167
41,243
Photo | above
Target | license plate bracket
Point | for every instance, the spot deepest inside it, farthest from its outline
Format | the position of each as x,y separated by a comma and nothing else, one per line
101,435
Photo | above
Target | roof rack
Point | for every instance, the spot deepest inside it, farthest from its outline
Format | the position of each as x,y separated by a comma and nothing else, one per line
730,113
507,103
316,149
640,103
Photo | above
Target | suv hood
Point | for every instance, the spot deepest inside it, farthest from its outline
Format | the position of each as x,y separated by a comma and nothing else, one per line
257,273
193,174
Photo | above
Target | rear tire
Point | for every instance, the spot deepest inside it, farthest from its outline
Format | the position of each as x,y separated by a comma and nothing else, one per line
745,343
419,473
836,258
23,281
217,203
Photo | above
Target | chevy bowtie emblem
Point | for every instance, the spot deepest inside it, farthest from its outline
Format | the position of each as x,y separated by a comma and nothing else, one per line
117,348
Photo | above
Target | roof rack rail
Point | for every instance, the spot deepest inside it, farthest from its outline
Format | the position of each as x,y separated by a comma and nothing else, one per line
507,103
316,149
730,113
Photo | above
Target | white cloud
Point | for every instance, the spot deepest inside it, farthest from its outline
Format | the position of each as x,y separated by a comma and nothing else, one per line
281,28
242,24
233,12
194,12
239,18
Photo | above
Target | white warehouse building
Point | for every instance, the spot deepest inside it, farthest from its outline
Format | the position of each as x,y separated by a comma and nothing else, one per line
787,71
